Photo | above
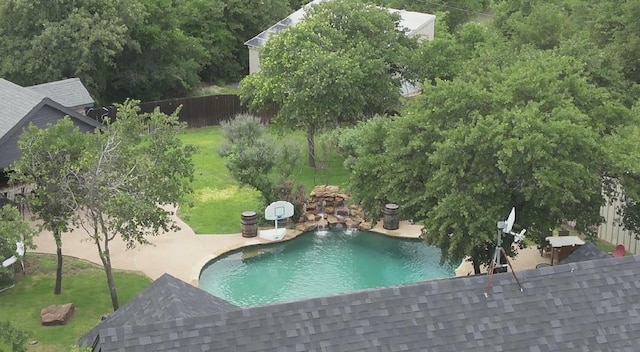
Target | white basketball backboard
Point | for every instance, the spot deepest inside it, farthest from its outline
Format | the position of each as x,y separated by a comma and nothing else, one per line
278,210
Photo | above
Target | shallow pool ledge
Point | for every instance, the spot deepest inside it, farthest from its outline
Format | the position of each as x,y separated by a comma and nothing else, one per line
239,242
405,230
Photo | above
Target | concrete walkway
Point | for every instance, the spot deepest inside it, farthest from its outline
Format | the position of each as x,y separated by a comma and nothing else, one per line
183,254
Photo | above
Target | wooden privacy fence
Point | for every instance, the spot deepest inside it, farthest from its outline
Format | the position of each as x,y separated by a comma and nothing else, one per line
196,112
206,111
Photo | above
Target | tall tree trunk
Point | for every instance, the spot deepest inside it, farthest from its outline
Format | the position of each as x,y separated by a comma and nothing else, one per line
112,287
476,266
311,147
58,237
106,262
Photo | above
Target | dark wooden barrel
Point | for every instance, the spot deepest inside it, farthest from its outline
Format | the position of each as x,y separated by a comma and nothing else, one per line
249,224
390,220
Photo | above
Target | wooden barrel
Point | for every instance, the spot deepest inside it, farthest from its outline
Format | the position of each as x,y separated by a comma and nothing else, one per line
390,220
249,224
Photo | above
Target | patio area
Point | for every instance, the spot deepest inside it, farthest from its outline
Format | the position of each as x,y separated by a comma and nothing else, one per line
183,254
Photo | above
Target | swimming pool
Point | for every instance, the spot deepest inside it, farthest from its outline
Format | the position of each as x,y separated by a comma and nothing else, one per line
316,264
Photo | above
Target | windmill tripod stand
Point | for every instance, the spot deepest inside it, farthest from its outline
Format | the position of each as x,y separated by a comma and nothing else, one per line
496,265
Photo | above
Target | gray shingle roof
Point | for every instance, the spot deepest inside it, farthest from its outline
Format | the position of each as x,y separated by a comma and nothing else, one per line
588,251
15,103
70,93
585,306
167,298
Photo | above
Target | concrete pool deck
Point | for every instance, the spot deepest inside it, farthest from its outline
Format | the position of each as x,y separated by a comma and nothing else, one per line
183,254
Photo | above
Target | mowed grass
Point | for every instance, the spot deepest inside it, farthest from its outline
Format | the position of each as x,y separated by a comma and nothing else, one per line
218,200
84,284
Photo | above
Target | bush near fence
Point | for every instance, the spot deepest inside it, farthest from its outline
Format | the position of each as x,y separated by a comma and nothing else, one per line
197,111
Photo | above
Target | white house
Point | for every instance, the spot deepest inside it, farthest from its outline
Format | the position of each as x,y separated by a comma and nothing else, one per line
421,25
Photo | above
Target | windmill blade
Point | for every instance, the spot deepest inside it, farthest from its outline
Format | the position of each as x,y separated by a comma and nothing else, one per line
518,237
510,220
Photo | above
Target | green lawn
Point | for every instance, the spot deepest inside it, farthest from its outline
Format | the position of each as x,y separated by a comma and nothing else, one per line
218,200
83,284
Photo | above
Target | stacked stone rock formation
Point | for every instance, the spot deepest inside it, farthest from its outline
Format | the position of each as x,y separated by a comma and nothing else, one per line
329,206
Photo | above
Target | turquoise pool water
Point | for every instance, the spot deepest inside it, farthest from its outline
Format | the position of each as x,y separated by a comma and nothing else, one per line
318,265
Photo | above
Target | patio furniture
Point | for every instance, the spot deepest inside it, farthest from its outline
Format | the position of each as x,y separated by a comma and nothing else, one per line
545,248
563,246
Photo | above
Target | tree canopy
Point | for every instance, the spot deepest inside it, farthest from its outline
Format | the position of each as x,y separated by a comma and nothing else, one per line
125,179
13,229
49,156
114,182
143,49
508,125
342,63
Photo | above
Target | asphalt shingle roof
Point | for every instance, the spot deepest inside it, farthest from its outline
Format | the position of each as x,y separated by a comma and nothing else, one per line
15,103
70,93
588,251
167,298
585,306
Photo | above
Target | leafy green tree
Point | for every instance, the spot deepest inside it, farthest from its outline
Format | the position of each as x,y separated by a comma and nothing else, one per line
526,133
623,146
49,156
454,12
205,20
544,24
613,26
364,147
161,59
256,160
601,34
296,4
138,48
446,55
41,41
244,20
342,63
133,169
13,229
118,183
13,336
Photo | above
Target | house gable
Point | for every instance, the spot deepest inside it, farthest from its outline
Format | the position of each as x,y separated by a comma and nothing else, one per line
585,252
167,298
15,103
19,107
70,93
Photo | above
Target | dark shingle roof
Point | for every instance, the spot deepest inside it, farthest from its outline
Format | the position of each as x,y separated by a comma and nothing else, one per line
585,306
587,251
70,93
18,103
15,103
167,298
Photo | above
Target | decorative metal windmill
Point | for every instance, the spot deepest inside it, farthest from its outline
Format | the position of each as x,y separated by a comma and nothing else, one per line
504,227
